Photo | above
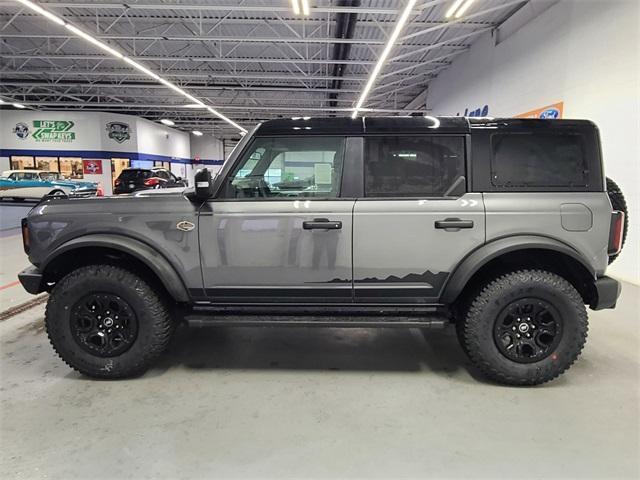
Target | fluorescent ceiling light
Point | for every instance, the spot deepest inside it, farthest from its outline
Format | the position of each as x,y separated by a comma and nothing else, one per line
193,105
19,105
197,133
385,53
296,7
1,101
453,8
94,41
464,8
305,7
166,121
36,8
42,11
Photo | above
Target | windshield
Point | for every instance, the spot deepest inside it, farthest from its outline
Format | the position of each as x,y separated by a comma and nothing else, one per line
48,176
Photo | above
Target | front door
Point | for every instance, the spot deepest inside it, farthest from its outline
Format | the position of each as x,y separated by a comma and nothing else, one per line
278,230
416,221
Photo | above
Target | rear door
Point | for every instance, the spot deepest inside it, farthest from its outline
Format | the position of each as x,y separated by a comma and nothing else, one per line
416,220
279,230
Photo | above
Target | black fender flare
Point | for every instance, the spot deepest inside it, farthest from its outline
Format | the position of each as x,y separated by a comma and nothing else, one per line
146,254
496,248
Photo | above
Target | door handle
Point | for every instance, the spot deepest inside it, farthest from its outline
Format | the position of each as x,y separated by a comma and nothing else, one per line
322,224
453,223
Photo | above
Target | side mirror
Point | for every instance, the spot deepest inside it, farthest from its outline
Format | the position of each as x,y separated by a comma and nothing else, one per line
203,184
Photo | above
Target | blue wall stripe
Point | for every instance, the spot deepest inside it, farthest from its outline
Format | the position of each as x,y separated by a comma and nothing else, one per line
8,152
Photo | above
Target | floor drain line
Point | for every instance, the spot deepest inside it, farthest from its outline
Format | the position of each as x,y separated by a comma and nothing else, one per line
34,302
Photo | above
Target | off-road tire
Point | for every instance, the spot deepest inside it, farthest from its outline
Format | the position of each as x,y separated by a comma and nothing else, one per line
476,329
155,325
618,203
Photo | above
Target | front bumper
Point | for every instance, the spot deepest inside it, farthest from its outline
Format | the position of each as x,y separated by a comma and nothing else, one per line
31,280
607,293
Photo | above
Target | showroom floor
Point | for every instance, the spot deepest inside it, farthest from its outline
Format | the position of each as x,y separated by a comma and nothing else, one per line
271,403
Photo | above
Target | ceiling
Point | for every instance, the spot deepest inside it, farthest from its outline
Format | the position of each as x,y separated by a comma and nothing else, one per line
250,59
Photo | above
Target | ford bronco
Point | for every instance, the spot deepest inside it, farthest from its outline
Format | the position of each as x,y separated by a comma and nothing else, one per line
503,227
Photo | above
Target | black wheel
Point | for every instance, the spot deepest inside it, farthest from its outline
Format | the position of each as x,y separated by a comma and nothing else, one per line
524,328
618,203
107,322
56,194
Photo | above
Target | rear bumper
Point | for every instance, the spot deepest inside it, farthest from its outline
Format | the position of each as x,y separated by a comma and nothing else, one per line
607,293
31,280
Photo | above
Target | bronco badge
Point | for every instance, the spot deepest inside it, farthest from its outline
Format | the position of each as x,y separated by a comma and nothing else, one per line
185,226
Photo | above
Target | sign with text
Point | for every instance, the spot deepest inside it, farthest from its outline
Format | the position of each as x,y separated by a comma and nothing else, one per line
53,131
550,112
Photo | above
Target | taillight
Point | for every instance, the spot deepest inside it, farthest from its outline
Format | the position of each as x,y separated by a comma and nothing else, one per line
616,232
118,182
152,182
25,235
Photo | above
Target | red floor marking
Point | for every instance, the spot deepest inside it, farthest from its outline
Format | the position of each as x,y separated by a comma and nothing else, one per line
9,285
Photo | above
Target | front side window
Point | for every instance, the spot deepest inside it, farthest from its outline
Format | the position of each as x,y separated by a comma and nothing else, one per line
400,166
538,160
288,167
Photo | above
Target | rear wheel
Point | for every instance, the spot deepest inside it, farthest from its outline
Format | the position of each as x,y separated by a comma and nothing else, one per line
525,327
107,322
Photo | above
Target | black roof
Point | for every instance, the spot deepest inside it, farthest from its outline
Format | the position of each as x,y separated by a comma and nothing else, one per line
413,124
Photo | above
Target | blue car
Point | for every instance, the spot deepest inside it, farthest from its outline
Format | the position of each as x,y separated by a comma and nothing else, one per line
32,184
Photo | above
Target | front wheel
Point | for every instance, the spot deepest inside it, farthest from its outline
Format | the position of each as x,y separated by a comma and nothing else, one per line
107,322
525,327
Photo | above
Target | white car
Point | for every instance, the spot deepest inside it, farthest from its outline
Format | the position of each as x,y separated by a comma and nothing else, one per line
33,184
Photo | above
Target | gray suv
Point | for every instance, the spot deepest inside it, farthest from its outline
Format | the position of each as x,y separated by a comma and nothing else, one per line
503,227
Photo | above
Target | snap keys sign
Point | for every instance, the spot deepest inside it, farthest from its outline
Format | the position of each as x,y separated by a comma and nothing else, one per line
53,131
553,111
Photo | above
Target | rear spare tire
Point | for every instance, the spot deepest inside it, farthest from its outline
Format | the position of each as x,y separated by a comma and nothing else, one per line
618,203
107,322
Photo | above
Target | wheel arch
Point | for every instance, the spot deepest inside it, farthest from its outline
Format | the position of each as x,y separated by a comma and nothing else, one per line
521,252
129,252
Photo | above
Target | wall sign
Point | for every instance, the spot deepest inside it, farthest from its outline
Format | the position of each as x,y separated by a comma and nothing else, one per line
549,112
119,131
21,130
92,167
53,131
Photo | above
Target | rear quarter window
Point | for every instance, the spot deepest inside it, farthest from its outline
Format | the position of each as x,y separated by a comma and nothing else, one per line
538,160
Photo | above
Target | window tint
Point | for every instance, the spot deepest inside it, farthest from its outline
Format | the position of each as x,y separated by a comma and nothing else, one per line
538,160
133,174
430,166
161,174
283,167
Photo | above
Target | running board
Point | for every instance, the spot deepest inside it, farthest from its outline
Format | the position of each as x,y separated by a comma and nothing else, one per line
355,321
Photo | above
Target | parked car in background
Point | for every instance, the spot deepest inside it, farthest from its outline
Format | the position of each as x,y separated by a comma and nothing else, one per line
33,184
134,179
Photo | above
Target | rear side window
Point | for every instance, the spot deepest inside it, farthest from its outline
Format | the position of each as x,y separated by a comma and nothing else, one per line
413,166
538,160
135,174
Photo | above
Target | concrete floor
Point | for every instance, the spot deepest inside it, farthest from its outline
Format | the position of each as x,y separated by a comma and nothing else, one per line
319,403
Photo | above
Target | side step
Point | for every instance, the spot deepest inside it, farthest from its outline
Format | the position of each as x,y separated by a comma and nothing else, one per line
360,321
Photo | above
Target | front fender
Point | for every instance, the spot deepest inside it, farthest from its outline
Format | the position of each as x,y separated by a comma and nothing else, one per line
483,255
165,272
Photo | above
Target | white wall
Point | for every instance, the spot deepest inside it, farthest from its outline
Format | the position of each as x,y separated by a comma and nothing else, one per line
583,53
205,149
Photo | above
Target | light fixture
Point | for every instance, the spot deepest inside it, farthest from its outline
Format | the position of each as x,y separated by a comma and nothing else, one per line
385,53
167,122
19,105
111,51
464,8
42,11
193,105
457,10
305,7
453,8
300,6
1,101
197,133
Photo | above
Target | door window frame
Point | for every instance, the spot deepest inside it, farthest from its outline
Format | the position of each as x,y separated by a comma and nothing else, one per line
350,147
